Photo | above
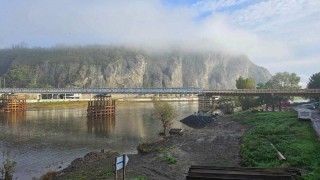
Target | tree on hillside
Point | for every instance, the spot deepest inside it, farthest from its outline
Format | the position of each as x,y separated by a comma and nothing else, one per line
165,112
248,83
18,76
314,83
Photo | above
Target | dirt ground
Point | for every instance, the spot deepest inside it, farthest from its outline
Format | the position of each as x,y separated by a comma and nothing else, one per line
218,144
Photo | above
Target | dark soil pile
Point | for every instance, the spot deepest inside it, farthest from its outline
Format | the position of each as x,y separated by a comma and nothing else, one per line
197,121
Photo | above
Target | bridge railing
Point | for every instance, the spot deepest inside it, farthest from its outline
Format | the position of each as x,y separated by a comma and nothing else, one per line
263,91
104,90
160,91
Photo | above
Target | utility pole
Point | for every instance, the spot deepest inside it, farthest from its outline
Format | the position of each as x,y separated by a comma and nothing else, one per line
4,82
0,82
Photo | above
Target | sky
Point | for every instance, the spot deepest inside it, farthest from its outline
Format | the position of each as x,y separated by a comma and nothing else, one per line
280,35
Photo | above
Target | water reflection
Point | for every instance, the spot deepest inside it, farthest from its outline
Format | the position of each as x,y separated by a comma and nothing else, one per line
42,138
12,119
101,126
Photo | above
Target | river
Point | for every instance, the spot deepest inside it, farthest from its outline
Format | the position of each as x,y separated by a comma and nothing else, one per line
48,139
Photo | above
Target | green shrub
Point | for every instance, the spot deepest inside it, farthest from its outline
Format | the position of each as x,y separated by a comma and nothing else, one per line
170,159
144,148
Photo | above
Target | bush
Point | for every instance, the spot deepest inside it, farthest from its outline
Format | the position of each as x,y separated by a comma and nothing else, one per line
144,148
8,166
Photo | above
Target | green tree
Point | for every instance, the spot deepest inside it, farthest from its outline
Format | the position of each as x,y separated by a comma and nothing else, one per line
165,112
248,83
264,99
18,76
227,104
284,80
281,80
314,83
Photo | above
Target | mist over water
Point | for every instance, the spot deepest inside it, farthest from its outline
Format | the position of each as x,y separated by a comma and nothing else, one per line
49,139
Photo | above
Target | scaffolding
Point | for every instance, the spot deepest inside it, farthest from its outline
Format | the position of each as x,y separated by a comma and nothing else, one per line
101,106
206,103
12,103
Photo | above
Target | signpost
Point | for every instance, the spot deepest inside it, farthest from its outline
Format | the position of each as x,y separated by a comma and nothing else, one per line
120,163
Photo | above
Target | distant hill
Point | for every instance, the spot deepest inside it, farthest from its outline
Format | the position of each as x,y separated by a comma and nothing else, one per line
106,66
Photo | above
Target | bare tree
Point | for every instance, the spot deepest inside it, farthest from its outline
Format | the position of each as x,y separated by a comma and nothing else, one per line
165,112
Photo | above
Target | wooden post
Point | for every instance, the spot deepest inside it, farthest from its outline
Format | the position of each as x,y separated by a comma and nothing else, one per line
115,168
124,165
280,155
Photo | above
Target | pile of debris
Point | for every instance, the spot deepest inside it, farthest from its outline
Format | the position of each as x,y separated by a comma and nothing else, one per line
198,120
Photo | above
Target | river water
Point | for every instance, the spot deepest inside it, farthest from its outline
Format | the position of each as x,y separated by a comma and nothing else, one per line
49,139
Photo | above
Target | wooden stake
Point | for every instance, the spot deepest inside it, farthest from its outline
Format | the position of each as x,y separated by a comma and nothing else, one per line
280,155
124,165
115,168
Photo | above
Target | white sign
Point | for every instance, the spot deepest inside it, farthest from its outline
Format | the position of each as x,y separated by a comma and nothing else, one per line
119,163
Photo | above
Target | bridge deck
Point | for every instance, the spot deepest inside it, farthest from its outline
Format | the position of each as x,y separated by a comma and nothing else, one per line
105,90
257,92
221,92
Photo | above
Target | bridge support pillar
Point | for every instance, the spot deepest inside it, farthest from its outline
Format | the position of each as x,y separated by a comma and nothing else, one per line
280,103
206,103
12,103
101,106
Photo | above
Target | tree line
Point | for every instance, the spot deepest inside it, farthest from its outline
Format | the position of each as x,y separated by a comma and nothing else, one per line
281,80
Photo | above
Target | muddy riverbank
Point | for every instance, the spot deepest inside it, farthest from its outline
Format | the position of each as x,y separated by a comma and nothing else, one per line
218,144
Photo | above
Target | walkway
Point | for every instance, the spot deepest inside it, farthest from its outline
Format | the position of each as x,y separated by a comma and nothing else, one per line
315,121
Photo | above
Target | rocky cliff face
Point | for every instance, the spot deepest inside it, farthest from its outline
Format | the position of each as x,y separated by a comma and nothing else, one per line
183,69
206,70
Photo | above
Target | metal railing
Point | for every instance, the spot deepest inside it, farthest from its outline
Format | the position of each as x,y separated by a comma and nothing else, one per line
191,90
104,90
263,92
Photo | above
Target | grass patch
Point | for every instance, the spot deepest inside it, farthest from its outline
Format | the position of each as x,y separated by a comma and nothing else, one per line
170,159
295,139
242,114
144,148
57,104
